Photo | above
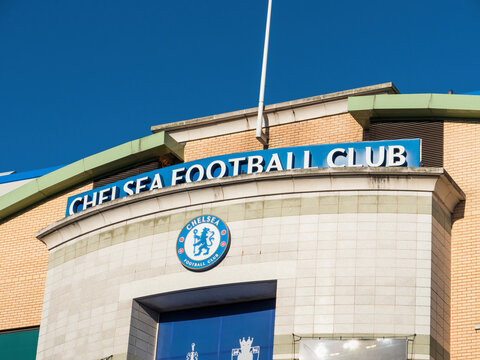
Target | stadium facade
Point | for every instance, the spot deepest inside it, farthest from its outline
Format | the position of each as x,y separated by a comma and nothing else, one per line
353,234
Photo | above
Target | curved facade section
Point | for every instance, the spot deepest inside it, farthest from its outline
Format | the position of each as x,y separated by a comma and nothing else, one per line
342,253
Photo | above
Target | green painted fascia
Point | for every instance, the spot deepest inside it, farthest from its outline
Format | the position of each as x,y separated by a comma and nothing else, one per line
19,344
86,169
363,108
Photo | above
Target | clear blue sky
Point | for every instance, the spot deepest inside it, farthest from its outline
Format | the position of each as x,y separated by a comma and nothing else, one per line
78,77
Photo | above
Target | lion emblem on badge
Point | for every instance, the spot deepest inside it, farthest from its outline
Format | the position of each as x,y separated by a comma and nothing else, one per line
203,242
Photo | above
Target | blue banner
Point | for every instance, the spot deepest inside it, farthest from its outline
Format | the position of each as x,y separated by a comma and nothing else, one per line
232,332
391,153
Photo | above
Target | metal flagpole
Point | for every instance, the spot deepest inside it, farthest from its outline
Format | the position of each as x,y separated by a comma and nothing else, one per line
261,136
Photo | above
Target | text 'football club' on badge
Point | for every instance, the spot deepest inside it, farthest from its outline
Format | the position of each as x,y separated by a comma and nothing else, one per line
203,243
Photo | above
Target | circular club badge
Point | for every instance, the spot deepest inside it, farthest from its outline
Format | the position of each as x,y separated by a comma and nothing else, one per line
203,243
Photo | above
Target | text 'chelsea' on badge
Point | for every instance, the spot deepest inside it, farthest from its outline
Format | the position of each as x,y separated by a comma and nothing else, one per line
203,243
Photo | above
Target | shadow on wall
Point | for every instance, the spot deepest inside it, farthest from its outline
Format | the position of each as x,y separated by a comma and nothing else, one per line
459,211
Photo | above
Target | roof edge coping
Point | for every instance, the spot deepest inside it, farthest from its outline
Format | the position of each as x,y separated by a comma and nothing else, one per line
387,87
364,108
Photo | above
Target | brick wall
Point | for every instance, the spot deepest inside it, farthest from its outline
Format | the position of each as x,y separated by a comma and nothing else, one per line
23,262
461,159
329,129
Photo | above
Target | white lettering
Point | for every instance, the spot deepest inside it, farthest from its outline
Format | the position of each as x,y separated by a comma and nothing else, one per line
255,161
114,192
395,155
141,186
274,163
223,169
199,168
289,161
103,196
89,203
175,176
332,155
157,182
352,158
73,205
126,187
236,165
307,160
369,156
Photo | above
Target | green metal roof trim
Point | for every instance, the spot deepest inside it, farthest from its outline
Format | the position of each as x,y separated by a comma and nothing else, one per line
363,108
88,168
20,344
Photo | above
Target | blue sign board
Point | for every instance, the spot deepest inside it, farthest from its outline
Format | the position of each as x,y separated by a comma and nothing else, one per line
231,332
391,153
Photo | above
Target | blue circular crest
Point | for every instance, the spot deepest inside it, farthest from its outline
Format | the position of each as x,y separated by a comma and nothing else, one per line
203,243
